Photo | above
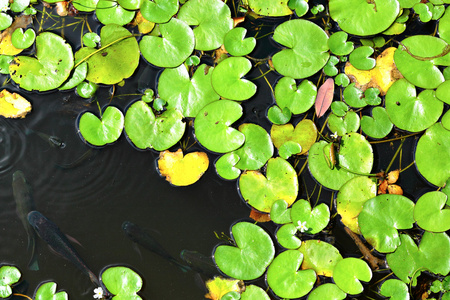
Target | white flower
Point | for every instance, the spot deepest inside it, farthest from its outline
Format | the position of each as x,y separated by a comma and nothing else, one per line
98,293
302,226
334,135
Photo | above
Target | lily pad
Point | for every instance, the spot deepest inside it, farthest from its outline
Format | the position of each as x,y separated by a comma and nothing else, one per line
430,214
253,292
304,134
307,48
286,236
110,12
262,191
12,105
279,116
328,291
223,288
360,58
348,273
122,282
236,44
78,76
339,108
338,43
379,125
5,21
382,216
320,256
158,11
8,276
23,40
47,291
284,278
316,219
353,96
343,125
443,91
86,89
395,289
225,166
254,251
289,149
272,8
280,213
298,99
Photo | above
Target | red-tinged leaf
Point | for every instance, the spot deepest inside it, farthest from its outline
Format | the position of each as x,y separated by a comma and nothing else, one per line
259,216
324,97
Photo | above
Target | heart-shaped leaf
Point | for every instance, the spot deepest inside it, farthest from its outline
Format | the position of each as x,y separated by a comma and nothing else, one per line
110,12
339,108
353,96
262,191
122,282
342,80
8,276
316,219
395,289
236,44
101,132
286,236
5,21
47,291
279,116
423,11
298,99
23,40
280,213
360,58
343,125
225,166
338,43
86,89
430,214
158,11
379,125
443,91
254,251
273,8
304,134
327,291
300,6
253,292
289,148
348,273
330,68
320,256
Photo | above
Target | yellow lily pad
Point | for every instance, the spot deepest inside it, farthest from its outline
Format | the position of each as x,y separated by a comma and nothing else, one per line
6,47
144,25
182,171
220,286
13,105
382,76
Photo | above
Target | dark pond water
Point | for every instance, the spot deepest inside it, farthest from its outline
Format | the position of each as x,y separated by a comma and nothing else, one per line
90,199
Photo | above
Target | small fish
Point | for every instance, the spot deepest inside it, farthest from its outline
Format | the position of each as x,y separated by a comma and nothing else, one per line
52,235
52,140
137,235
91,152
200,263
23,195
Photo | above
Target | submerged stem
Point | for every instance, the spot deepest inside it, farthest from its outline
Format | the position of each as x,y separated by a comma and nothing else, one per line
395,155
22,295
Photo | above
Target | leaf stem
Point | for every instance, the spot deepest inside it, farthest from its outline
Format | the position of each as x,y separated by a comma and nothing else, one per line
401,170
395,139
21,295
395,155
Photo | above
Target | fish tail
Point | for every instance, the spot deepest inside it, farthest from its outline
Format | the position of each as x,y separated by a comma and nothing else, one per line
33,264
184,268
94,279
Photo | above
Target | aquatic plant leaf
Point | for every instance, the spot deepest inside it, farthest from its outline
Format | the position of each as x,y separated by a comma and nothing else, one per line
272,8
254,251
443,91
262,191
158,11
185,94
298,99
227,79
355,155
231,296
289,148
253,292
339,108
324,97
182,170
445,120
343,125
306,52
348,273
79,75
360,58
144,25
430,213
304,134
23,40
444,26
212,19
13,105
330,68
6,46
109,12
286,236
284,278
5,21
395,289
5,60
280,213
101,132
19,5
225,166
410,112
351,198
122,282
364,18
236,44
91,39
50,68
320,256
338,43
8,276
353,96
433,254
86,89
279,116
212,126
172,48
111,64
408,3
257,147
379,125
85,5
327,291
432,156
47,291
219,287
316,219
382,216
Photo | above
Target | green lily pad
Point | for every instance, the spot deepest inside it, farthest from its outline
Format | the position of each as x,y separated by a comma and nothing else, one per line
272,8
301,7
298,99
280,213
236,44
110,12
227,79
111,64
430,214
284,277
23,40
5,21
212,126
286,236
379,125
262,191
173,48
444,26
348,273
395,289
101,132
122,282
257,148
86,89
50,68
328,291
212,19
78,76
158,11
361,17
371,96
342,80
338,43
410,112
445,121
433,254
339,108
85,5
253,292
8,276
5,60
320,256
432,156
254,251
185,94
279,116
316,219
382,216
351,198
91,39
330,68
304,134
408,3
355,155
354,96
343,125
289,149
47,291
443,91
19,5
225,166
307,48
147,131
360,58
423,11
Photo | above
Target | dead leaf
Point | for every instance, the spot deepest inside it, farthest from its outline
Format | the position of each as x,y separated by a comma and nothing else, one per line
382,188
6,47
382,76
13,105
395,189
238,20
324,97
219,286
392,176
143,24
62,8
220,54
182,171
259,216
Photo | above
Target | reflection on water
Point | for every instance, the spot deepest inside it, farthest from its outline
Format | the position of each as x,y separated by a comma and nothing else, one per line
12,144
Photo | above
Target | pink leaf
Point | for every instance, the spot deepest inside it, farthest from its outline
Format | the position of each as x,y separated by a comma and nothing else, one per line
324,97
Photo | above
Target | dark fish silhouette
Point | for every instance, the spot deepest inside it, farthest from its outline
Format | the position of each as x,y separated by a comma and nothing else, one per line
200,263
53,236
52,140
23,195
137,235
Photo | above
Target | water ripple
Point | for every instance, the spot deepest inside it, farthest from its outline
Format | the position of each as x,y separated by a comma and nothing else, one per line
12,144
